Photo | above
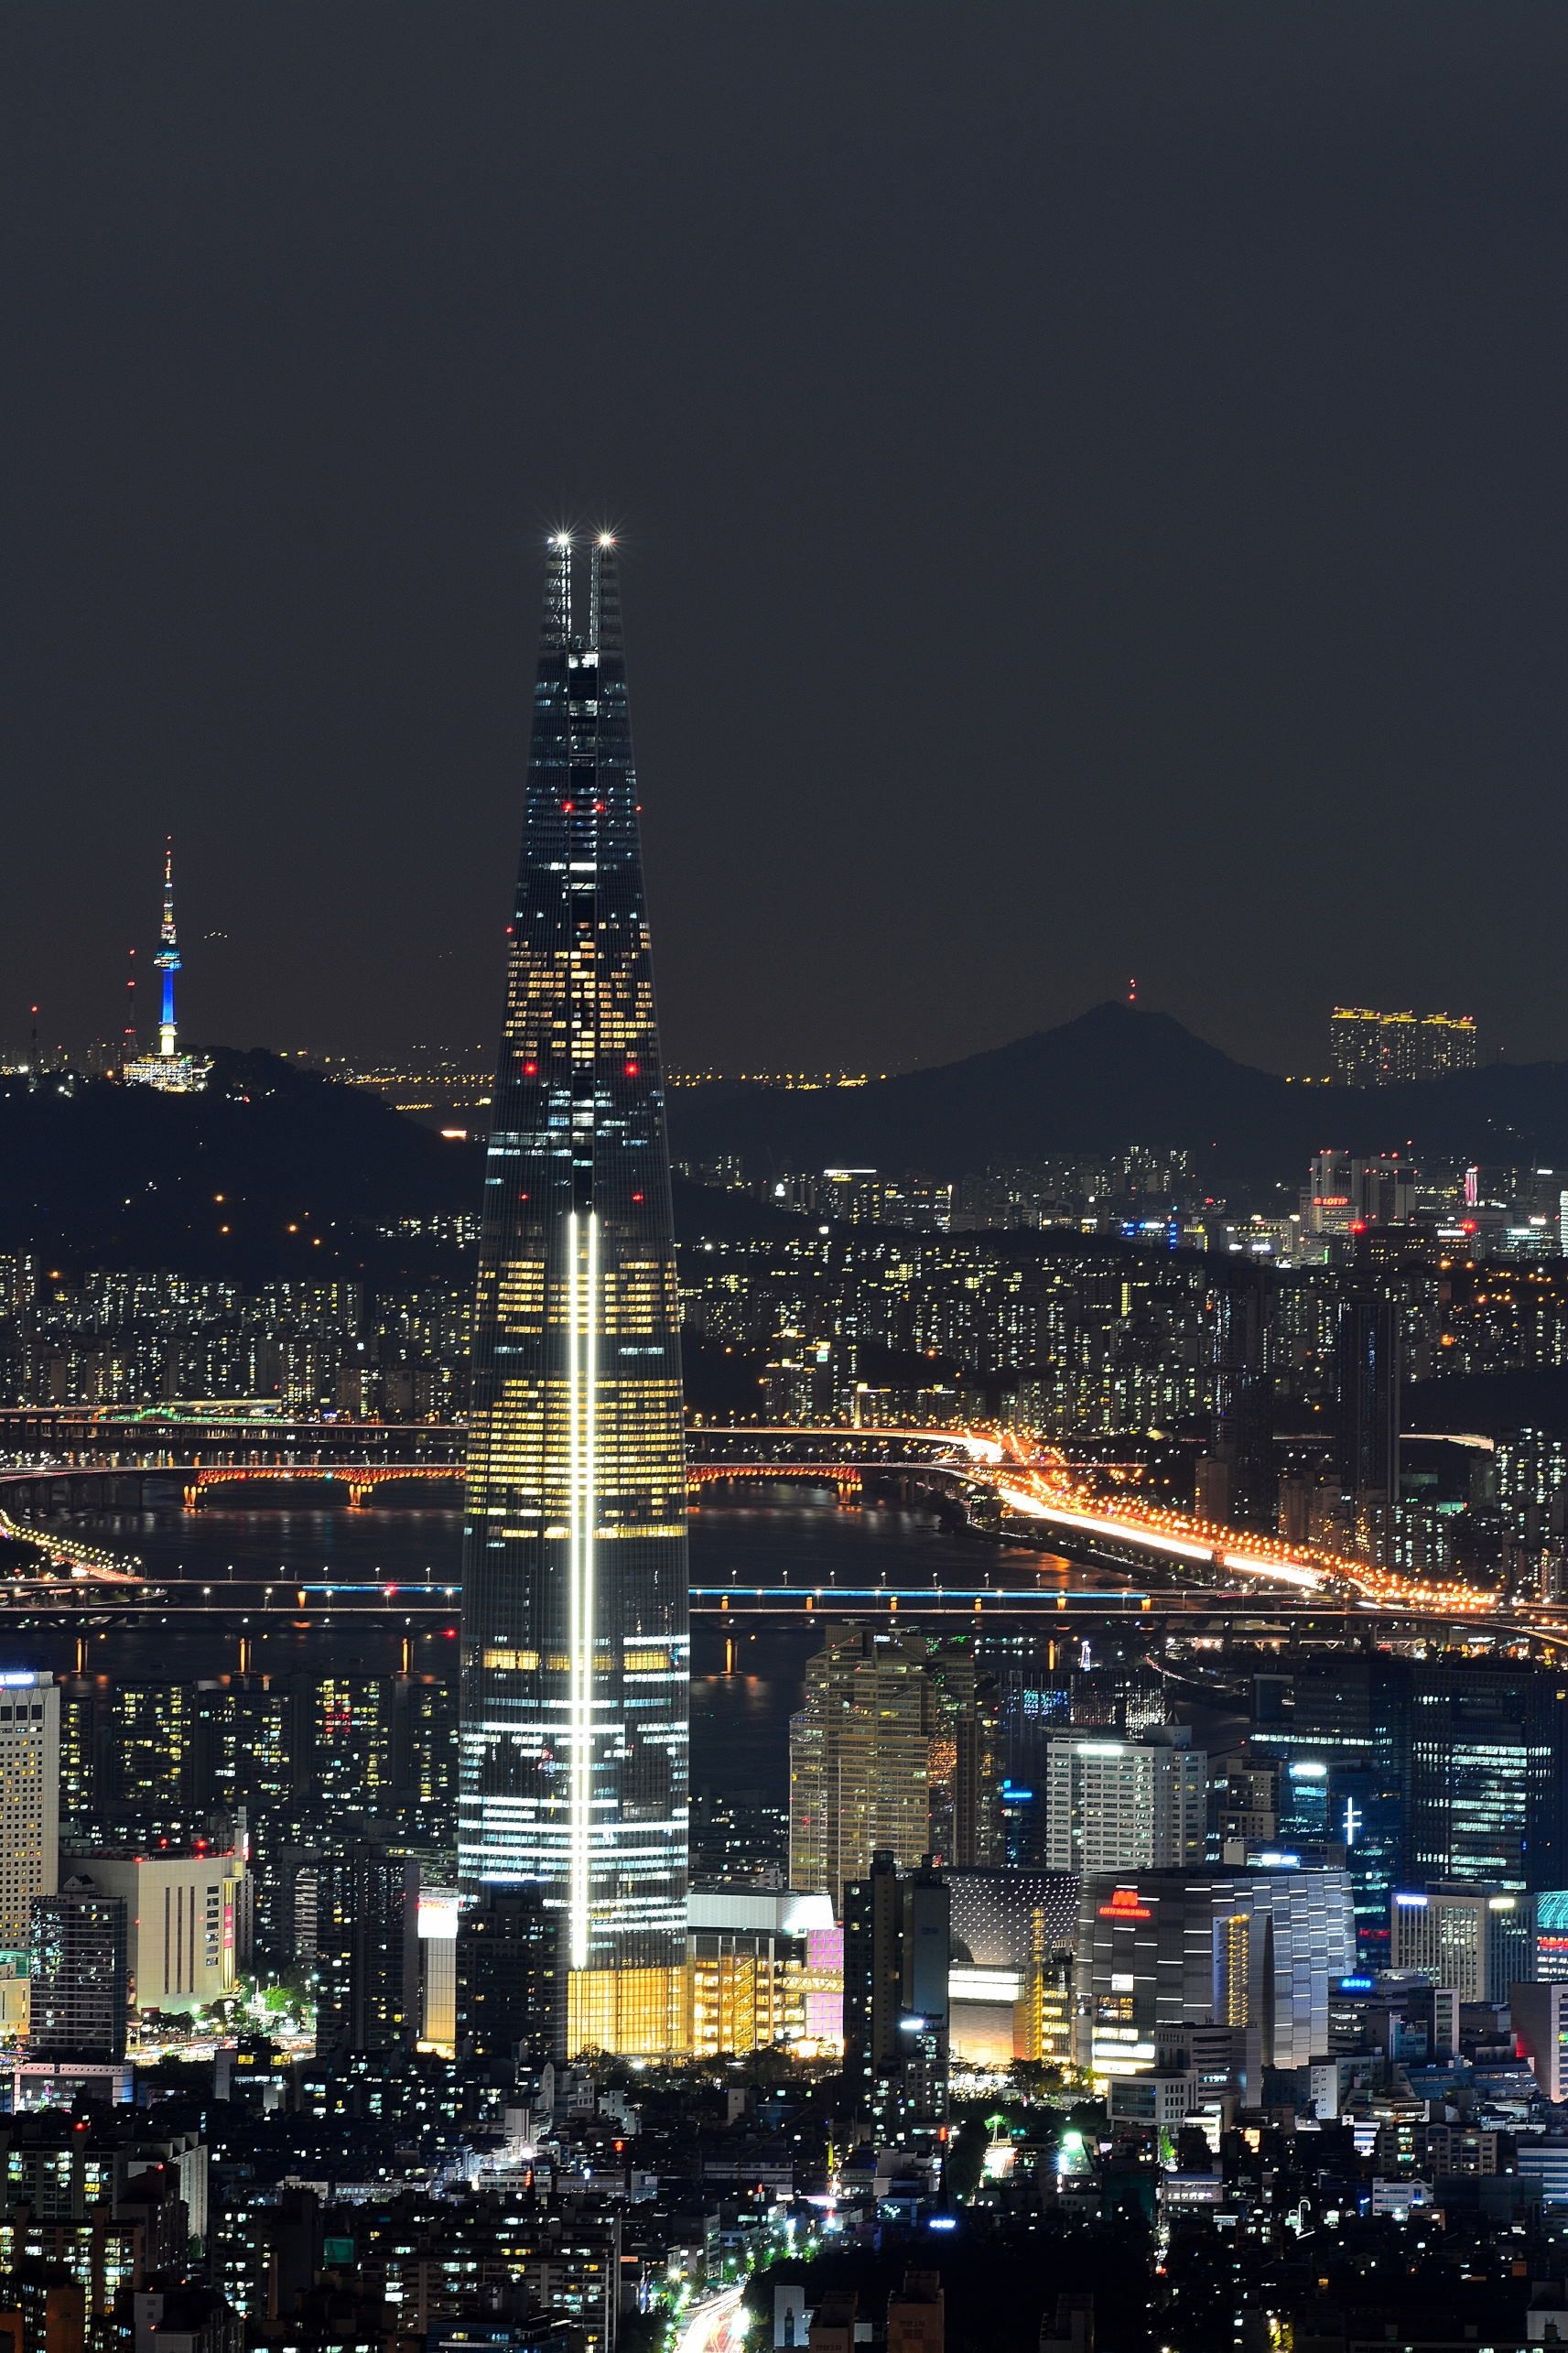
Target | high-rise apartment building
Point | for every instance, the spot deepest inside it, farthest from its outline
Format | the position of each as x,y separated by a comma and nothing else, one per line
1356,1046
360,1932
506,1973
574,1733
1368,1048
1447,1043
859,1759
29,1799
1125,1805
78,1966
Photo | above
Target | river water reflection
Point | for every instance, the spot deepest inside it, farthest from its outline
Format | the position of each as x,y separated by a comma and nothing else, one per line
740,1720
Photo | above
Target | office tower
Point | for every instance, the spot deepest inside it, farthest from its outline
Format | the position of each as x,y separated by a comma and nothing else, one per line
1425,1769
1344,1759
575,1653
961,1757
896,1940
78,1966
1125,1805
1368,1369
29,1800
858,1758
188,1922
1488,1751
1346,1194
1326,1204
1242,1378
1474,1941
508,1982
1382,1191
1257,1952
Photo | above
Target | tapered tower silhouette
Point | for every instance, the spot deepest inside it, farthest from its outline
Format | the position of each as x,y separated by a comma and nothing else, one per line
574,1645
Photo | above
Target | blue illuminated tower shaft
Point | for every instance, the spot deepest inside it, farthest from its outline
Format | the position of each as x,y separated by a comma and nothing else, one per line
575,1658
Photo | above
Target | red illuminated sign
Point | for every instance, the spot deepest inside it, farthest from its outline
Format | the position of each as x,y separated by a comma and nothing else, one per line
1124,1905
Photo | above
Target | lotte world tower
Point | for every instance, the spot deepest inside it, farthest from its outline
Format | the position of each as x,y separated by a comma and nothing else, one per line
575,1655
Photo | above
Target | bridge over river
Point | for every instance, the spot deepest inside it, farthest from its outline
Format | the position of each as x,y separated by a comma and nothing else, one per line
1155,1562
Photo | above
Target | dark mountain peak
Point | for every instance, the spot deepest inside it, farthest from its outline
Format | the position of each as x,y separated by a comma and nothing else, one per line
1119,1075
1131,1037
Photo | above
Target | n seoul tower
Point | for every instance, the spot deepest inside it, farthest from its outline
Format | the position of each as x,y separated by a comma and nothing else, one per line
170,1071
168,958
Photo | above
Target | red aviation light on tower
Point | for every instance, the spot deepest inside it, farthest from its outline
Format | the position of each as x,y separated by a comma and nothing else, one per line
1124,1905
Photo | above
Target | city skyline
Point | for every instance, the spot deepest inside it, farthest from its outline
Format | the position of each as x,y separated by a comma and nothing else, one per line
924,1706
1253,502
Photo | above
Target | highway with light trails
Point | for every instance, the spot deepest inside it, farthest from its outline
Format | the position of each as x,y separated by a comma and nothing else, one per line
1006,1485
718,2325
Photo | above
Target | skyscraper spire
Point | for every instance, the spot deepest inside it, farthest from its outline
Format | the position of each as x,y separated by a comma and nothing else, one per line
556,628
168,958
575,1646
606,603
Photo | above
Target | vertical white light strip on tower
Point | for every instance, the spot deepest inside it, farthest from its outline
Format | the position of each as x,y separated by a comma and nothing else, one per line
582,1385
576,1810
589,1532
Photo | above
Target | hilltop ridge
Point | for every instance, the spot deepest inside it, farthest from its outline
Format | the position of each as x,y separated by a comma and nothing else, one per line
1114,1075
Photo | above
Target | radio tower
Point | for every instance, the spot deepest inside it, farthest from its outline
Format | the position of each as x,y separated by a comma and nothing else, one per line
170,1071
168,958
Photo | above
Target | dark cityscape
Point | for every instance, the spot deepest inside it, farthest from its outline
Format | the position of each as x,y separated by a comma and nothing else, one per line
879,1656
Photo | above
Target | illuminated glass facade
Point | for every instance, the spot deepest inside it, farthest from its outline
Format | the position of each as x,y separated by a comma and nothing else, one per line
575,1646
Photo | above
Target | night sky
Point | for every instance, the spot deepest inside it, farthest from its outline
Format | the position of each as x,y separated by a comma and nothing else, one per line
1092,484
